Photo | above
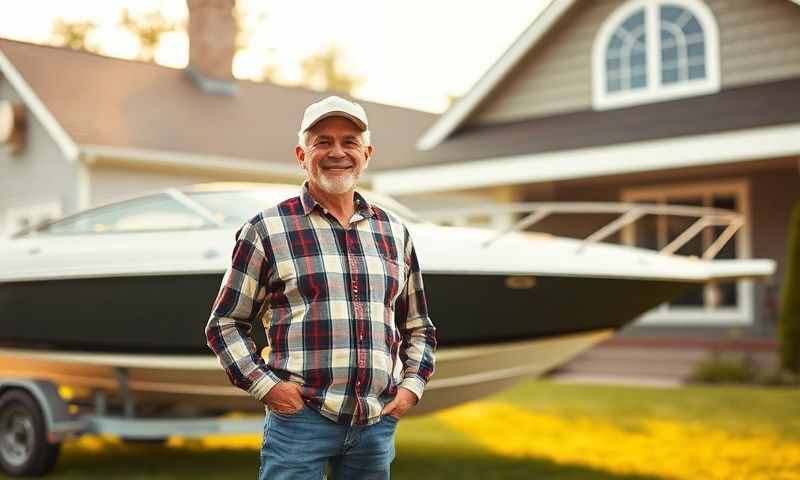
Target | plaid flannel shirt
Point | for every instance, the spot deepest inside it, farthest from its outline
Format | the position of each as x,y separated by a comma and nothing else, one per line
344,309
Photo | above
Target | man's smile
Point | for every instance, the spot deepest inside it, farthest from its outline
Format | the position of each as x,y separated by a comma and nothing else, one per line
337,168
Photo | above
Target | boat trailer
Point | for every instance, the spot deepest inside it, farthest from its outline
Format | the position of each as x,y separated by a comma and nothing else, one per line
35,420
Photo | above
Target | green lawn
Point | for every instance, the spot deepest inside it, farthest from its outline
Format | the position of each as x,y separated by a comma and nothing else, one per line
434,447
737,409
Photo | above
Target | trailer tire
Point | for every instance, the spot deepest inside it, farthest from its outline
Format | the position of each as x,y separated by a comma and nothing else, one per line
24,449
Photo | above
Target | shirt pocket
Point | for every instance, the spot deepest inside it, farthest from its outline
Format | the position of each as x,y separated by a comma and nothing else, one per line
394,278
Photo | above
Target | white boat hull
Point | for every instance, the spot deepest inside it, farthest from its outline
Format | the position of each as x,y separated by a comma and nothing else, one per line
197,384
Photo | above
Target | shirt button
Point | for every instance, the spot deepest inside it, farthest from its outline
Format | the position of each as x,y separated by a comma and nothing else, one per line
325,211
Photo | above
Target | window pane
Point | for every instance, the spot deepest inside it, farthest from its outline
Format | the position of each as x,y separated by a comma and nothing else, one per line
727,202
696,50
726,294
626,55
675,226
156,212
634,21
615,43
639,81
692,27
669,54
692,298
647,230
669,75
697,71
671,13
681,40
639,60
723,295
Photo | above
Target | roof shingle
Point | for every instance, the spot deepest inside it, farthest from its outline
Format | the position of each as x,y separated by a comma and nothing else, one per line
129,104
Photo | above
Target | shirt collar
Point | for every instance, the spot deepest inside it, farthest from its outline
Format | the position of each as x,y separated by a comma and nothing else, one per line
363,207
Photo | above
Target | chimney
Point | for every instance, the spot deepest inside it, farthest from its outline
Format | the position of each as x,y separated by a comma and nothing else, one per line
212,44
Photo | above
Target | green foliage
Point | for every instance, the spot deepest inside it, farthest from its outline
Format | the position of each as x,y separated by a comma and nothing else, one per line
148,27
72,34
724,370
789,328
325,71
780,378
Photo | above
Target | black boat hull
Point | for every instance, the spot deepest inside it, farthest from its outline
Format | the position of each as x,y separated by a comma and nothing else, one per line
168,313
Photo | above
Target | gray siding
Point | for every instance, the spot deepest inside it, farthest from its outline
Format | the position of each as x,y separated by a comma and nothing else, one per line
759,42
110,183
38,174
773,195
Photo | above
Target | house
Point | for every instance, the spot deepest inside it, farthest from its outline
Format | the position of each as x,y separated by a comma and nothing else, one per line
80,129
672,102
661,101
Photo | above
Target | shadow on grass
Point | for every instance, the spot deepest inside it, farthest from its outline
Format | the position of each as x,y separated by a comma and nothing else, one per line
426,449
154,462
446,463
157,463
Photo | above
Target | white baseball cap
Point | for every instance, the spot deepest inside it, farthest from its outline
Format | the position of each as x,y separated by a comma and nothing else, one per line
334,106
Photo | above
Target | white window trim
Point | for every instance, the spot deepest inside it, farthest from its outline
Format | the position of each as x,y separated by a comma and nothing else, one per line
743,313
654,92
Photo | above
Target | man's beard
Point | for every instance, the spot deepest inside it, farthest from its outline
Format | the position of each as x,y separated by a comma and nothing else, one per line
338,185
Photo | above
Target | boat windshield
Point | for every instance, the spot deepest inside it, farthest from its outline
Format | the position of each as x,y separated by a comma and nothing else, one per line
186,210
233,208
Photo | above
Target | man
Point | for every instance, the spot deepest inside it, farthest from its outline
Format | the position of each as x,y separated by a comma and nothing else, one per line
336,283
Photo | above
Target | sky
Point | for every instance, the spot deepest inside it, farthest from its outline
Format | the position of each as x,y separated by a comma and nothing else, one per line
411,53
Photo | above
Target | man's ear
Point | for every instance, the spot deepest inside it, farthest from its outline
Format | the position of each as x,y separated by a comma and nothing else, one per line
300,154
370,151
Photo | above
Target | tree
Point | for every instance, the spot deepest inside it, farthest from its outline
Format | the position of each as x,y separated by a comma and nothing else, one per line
322,71
72,34
247,23
148,28
789,328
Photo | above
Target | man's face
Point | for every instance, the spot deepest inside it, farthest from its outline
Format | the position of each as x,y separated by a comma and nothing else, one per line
334,156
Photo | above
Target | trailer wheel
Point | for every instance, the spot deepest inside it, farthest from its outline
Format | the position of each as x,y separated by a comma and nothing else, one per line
24,449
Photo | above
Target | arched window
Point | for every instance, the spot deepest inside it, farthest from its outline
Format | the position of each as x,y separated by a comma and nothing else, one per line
626,55
652,50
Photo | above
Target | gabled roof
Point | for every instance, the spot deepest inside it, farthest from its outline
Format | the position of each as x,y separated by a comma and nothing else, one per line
459,112
105,105
464,106
734,109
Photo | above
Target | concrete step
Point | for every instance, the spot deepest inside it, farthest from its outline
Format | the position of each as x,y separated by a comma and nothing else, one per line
654,361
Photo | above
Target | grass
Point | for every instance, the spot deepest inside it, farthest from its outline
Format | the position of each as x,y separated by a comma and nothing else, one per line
738,409
536,430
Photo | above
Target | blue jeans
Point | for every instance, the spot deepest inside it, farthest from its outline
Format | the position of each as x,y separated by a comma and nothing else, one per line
299,446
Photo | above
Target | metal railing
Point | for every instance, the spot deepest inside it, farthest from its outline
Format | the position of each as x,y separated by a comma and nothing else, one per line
628,214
